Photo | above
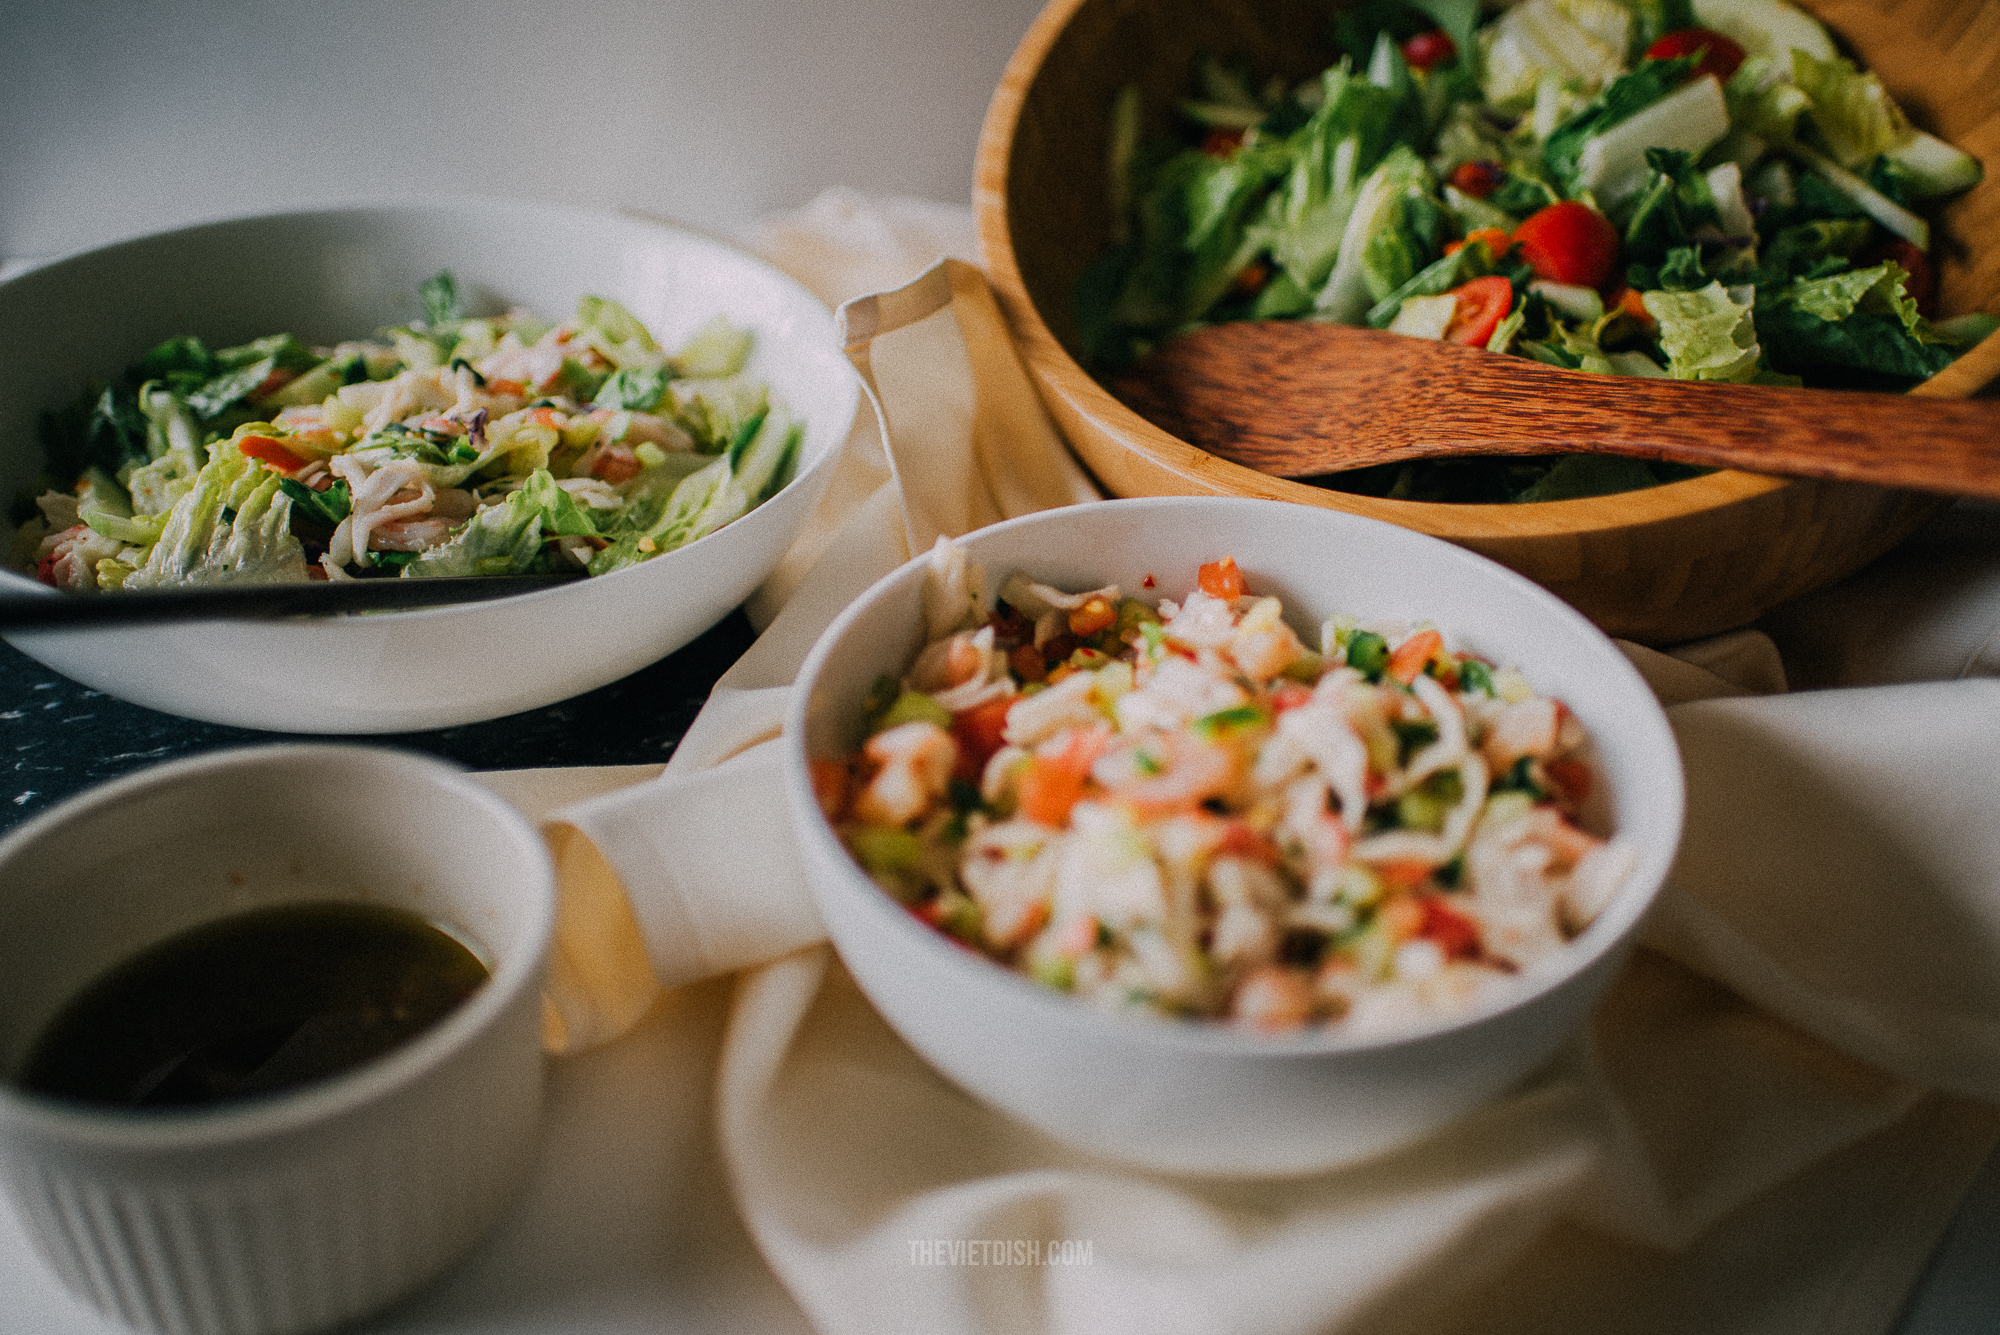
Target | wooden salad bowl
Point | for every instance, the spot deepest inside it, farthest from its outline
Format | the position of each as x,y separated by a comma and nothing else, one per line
1662,565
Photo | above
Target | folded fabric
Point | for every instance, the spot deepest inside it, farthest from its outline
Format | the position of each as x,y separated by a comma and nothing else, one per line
1750,1136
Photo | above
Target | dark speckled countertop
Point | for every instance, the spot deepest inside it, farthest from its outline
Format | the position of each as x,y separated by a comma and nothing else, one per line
58,737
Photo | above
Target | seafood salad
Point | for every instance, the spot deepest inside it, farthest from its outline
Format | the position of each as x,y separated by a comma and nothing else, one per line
1188,809
456,445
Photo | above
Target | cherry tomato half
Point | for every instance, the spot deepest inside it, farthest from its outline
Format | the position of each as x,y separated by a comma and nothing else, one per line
1482,304
1569,242
1428,50
1222,143
1479,178
1719,55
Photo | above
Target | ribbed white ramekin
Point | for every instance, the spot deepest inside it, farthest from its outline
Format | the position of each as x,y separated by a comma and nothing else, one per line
310,1208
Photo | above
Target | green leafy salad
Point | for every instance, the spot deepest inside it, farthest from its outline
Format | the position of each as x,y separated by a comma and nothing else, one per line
1706,191
456,445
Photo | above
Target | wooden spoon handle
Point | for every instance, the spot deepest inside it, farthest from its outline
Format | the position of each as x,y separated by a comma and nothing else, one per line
1299,399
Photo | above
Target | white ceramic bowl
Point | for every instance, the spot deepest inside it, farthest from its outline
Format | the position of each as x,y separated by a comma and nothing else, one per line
310,1207
344,273
1188,1097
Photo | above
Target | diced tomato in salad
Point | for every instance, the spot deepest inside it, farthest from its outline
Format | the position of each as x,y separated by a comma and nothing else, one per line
1569,242
1482,304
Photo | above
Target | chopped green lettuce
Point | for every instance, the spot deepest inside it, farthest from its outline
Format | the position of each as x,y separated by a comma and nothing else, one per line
503,539
1853,114
638,388
1858,320
1395,194
715,412
718,348
560,514
233,524
617,333
1707,334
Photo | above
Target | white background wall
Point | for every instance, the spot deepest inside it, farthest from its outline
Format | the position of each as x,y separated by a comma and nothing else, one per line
124,116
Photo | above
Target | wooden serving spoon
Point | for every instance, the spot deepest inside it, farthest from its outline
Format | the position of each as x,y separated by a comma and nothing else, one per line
1302,399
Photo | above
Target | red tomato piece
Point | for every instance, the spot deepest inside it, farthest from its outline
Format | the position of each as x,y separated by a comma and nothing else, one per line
1482,304
1478,179
271,384
1428,50
979,732
269,451
831,785
1452,932
1221,143
1571,776
617,463
1720,55
1569,242
1221,579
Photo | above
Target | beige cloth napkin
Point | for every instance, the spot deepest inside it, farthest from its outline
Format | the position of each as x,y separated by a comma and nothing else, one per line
1765,1129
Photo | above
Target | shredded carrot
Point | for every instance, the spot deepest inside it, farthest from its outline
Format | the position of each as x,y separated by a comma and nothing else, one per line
1411,656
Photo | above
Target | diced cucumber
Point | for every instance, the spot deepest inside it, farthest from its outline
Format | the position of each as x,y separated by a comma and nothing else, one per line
1424,317
1766,27
1870,200
1933,168
1612,165
1578,303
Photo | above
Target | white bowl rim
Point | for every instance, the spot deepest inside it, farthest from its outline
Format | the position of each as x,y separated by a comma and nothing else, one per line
1604,935
284,1112
14,581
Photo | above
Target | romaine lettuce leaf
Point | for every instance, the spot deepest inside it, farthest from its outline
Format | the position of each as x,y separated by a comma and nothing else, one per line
1324,162
1858,320
1853,114
102,427
1811,249
638,387
718,348
1673,203
442,305
714,412
617,333
499,540
234,523
560,514
652,525
1707,334
1384,202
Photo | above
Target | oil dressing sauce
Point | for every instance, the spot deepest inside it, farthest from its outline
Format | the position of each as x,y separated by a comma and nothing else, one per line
252,1004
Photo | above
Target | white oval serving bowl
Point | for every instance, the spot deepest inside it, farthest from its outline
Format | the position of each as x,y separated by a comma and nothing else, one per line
344,273
1187,1097
312,1206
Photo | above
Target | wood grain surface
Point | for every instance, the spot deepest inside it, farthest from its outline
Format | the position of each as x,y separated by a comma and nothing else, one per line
1662,565
1303,399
